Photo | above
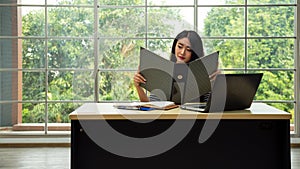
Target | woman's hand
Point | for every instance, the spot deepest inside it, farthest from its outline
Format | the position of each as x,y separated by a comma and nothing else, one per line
212,77
138,78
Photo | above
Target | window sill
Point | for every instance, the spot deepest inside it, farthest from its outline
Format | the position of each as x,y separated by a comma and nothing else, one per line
41,127
10,138
34,135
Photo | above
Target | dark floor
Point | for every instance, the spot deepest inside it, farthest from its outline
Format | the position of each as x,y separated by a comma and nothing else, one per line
59,158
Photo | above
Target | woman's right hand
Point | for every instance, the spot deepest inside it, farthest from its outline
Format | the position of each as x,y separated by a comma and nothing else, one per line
138,79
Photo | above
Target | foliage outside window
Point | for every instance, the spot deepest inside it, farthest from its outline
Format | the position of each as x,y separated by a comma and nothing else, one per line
67,60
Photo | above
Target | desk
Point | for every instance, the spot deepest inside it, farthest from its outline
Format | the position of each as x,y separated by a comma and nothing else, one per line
257,138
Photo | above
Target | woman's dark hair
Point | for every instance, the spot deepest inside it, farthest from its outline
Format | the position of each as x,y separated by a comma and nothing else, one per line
196,44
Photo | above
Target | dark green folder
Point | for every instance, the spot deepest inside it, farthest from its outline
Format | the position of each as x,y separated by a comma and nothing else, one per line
180,83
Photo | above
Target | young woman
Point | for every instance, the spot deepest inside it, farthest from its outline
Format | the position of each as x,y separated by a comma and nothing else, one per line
187,46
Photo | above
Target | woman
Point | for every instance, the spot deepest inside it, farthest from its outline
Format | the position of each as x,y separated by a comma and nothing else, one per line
187,46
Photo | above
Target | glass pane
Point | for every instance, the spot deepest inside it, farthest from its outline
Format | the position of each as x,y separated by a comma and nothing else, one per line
68,21
31,2
70,2
170,2
271,53
271,21
7,112
117,86
276,85
260,2
9,53
232,52
122,22
11,2
33,53
83,86
122,2
33,21
59,112
168,22
71,53
9,89
33,112
9,21
220,21
33,86
221,2
162,47
66,85
120,53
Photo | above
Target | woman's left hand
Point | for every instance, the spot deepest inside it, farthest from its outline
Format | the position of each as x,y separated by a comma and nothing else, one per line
212,77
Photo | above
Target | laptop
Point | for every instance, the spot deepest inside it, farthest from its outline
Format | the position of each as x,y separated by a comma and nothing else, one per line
229,92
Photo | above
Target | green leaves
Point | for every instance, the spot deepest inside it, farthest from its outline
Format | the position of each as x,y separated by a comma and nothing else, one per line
268,45
70,45
123,30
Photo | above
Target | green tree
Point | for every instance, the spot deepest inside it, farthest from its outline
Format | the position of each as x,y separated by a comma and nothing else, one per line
125,25
263,52
123,53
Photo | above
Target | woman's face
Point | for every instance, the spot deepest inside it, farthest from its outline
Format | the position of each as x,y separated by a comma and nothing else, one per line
183,51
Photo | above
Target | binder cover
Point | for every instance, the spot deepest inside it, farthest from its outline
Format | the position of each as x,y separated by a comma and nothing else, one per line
177,82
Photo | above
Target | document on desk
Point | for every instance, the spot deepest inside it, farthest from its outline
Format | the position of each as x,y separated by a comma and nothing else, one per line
154,105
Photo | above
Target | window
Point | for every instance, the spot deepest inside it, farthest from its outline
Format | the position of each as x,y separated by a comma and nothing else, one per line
59,54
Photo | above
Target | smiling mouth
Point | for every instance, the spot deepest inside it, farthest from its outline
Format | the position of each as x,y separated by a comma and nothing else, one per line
181,58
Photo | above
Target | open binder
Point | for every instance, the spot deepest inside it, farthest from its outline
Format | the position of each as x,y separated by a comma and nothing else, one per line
177,82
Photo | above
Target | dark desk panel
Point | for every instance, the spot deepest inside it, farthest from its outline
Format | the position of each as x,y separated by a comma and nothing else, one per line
235,144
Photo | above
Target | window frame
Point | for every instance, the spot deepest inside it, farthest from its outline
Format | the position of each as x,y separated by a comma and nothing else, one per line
96,38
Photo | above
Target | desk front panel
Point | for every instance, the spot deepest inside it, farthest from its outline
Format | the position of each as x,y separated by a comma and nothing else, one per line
235,144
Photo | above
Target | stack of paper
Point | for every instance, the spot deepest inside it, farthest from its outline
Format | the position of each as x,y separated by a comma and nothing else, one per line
160,105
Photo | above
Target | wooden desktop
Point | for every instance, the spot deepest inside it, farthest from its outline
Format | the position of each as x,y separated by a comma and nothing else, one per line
255,138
